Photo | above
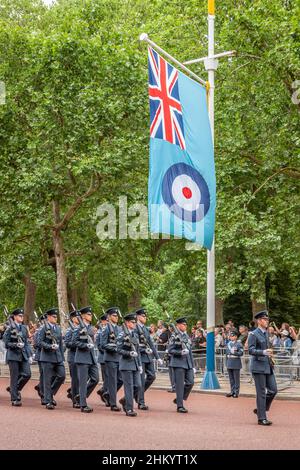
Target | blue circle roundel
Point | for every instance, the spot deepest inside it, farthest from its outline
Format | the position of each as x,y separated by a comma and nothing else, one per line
185,192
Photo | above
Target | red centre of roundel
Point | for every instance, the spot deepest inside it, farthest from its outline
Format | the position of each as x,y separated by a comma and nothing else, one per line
187,192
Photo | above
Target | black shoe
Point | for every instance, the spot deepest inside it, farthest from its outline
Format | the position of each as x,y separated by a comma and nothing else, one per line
54,402
130,413
69,390
255,411
104,397
8,389
50,406
43,402
16,403
171,391
229,395
115,408
69,395
235,396
175,401
143,407
122,403
264,422
182,409
86,409
37,388
76,405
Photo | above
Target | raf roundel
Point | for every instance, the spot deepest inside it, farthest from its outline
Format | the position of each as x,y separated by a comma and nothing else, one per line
185,192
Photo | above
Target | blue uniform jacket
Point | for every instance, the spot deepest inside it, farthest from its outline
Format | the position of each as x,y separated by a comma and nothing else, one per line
99,345
257,343
45,339
10,339
109,343
124,347
234,359
70,344
175,348
145,341
83,354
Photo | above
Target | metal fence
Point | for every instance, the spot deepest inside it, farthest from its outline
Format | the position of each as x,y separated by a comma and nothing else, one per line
287,364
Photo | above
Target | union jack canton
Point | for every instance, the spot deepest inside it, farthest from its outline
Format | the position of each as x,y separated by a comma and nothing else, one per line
165,108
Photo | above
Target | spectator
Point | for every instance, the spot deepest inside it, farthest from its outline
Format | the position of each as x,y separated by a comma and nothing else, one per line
243,330
163,338
160,328
273,337
193,333
219,341
226,333
199,342
199,326
284,327
285,340
294,336
152,331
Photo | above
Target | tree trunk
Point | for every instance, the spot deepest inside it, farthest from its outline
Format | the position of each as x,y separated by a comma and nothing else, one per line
219,311
135,301
84,290
72,292
29,302
257,307
61,274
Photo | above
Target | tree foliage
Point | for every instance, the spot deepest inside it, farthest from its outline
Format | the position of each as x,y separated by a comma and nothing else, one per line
77,106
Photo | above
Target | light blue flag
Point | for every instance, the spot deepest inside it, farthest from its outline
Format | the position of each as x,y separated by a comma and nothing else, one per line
182,185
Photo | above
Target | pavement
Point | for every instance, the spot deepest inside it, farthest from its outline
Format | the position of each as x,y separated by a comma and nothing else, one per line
213,422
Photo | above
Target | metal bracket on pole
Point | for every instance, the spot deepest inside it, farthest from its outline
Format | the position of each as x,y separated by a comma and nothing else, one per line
215,56
211,64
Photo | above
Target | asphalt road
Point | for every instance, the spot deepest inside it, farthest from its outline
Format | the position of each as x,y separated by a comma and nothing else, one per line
213,422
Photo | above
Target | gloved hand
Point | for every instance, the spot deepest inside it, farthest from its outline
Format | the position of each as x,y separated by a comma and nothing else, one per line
90,346
195,370
141,369
160,362
54,346
133,354
149,351
184,352
268,352
112,347
20,345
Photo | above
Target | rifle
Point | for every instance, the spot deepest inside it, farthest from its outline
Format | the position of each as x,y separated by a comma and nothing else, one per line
66,318
144,342
128,339
111,335
177,337
49,332
16,334
83,328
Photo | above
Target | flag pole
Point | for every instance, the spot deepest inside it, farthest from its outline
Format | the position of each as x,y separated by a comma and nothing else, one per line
144,37
210,380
